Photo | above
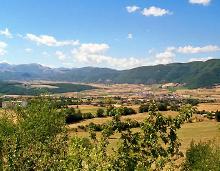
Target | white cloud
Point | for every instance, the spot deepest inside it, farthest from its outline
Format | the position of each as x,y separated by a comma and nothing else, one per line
94,55
6,33
165,57
91,48
50,40
60,55
200,59
28,50
155,11
132,9
200,2
3,45
130,36
192,50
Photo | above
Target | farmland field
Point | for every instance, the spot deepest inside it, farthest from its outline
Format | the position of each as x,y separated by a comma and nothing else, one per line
209,106
199,131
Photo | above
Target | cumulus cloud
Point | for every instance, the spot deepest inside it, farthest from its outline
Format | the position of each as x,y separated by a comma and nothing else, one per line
200,2
132,9
3,45
6,33
50,40
94,55
165,57
130,36
155,11
61,56
192,50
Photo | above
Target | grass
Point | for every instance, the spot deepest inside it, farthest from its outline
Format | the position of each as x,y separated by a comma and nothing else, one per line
209,106
87,108
199,131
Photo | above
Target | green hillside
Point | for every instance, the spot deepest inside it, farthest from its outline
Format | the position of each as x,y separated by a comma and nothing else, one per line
193,74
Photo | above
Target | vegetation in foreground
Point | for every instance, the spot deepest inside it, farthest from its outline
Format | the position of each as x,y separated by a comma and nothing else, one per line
36,139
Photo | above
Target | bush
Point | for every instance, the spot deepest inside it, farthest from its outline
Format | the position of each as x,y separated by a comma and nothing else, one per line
217,116
72,115
100,112
94,127
192,102
144,108
126,111
87,115
162,106
202,156
113,112
109,109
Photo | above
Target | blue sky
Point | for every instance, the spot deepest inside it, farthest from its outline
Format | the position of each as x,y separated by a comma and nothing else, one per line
112,33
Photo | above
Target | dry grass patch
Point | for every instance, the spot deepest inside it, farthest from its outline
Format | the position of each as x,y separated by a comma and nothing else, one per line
209,106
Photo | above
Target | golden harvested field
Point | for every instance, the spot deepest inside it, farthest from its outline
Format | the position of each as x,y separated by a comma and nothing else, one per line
199,131
209,106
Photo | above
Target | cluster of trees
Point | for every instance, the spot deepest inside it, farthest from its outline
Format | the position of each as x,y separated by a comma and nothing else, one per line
73,115
128,123
165,105
161,106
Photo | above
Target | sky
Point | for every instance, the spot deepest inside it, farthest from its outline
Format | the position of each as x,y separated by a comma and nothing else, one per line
119,34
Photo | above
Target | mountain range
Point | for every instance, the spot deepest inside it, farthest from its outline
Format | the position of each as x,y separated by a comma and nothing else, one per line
193,74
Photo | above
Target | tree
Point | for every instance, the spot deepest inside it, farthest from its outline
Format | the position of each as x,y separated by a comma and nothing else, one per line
162,106
35,138
217,116
100,112
202,156
72,115
144,108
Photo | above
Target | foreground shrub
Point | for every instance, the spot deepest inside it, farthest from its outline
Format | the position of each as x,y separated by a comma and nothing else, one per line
34,139
202,156
155,146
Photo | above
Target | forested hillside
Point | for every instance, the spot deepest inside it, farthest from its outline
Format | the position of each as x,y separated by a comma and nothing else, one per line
194,74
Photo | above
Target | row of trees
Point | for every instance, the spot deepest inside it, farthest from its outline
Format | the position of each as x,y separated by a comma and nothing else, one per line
73,115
